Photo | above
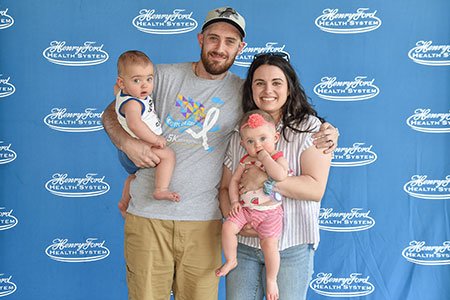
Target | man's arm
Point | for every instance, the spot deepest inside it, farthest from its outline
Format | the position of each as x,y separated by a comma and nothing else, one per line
233,188
326,138
138,151
224,196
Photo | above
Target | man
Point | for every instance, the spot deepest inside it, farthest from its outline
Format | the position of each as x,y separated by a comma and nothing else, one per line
176,245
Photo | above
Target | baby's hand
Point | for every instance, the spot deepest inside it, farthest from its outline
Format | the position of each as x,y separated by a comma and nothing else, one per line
160,142
235,209
262,154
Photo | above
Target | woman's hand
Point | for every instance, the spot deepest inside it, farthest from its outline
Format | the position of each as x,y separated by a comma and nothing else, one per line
326,138
252,179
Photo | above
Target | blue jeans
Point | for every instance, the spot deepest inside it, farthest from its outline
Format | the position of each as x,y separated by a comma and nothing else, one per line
248,280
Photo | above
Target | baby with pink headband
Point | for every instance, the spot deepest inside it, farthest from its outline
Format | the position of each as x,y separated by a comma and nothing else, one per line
260,208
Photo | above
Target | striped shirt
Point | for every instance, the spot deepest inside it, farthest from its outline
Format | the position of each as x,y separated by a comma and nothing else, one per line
301,216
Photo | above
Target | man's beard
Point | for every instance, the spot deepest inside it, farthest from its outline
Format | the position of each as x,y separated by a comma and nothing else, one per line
215,68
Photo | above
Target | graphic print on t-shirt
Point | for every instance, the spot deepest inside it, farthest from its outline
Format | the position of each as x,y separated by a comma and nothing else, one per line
196,120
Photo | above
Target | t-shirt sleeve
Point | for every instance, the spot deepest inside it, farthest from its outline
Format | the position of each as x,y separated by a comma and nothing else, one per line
232,154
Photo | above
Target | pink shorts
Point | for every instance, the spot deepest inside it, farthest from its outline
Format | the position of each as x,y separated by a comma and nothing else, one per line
267,223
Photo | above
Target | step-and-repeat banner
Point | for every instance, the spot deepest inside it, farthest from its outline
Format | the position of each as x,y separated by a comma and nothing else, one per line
378,70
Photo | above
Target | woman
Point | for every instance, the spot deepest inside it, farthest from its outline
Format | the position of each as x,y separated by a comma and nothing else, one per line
273,86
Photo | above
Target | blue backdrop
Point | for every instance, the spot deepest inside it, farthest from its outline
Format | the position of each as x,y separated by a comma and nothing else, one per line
378,70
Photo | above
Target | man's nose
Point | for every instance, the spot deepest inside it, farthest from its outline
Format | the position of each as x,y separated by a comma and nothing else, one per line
220,47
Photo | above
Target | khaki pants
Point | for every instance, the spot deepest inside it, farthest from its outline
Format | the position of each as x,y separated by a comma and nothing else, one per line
166,255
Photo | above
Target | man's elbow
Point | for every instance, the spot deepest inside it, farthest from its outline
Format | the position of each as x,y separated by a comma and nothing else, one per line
104,120
108,113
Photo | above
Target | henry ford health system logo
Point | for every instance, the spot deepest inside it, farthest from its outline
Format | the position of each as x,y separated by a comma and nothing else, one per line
356,155
7,219
419,253
355,285
424,120
77,252
333,21
245,57
7,154
7,287
5,19
86,54
6,87
86,121
360,88
434,189
88,186
175,22
425,53
354,220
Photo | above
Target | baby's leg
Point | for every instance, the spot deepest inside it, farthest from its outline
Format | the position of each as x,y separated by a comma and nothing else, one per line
163,175
269,247
125,199
229,245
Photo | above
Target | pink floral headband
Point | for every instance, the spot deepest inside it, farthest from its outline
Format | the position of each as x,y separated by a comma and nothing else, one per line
255,121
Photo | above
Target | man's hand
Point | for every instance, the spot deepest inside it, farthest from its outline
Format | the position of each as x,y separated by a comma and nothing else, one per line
141,154
252,179
326,138
160,142
138,151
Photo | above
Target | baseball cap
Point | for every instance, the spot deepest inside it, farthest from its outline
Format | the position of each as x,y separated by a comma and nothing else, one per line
225,14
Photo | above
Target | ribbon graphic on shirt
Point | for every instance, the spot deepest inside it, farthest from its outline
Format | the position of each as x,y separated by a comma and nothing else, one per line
210,120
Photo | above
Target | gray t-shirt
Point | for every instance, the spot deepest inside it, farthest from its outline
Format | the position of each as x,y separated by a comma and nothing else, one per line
198,117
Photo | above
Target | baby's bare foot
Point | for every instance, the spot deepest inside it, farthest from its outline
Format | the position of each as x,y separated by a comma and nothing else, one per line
125,199
272,290
226,267
166,195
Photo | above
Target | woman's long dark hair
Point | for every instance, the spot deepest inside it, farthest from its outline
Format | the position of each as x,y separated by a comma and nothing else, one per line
296,109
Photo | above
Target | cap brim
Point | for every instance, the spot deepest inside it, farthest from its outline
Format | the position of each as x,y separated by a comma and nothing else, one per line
241,31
